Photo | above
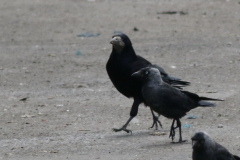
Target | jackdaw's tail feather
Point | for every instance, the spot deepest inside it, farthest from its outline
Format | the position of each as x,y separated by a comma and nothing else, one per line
203,101
210,99
206,104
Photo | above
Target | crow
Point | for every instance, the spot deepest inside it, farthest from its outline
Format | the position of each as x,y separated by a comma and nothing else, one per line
205,148
122,63
167,100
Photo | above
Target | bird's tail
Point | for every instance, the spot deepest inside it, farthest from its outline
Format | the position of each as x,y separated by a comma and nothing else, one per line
210,99
204,103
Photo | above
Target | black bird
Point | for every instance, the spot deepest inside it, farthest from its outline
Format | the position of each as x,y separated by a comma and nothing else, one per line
123,62
204,148
167,100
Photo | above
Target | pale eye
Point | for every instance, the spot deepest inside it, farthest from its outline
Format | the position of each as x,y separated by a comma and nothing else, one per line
146,72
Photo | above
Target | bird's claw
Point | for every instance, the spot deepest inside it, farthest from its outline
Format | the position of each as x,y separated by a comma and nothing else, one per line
172,134
121,129
152,126
155,122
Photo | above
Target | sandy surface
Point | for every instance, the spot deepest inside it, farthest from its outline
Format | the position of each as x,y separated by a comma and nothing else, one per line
72,105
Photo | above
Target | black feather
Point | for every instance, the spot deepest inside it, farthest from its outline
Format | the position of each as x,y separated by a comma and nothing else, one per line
210,99
206,104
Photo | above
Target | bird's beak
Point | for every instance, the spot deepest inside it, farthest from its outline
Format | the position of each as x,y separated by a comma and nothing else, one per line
113,40
193,142
136,74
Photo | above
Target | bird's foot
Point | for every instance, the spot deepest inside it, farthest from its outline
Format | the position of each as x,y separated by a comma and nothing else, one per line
180,141
122,129
156,122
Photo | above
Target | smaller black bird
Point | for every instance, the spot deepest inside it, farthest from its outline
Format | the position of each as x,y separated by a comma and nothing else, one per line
167,100
204,148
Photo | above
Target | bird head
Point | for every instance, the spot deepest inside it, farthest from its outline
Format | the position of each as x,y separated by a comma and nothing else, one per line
119,41
147,73
198,140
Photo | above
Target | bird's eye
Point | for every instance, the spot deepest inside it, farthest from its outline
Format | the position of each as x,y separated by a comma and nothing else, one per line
146,72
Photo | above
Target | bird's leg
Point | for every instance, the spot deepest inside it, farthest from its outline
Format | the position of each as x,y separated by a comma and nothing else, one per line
180,132
133,113
124,127
172,130
155,120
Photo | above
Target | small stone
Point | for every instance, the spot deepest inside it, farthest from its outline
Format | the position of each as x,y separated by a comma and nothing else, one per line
135,29
27,116
220,126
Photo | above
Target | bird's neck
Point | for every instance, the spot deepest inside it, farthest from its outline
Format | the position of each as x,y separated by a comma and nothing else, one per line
118,49
127,51
154,80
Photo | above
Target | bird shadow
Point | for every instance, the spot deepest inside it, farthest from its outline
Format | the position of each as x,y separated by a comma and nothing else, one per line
166,144
129,135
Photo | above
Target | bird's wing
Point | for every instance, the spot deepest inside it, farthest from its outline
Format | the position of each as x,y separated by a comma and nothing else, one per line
138,64
191,95
176,82
174,98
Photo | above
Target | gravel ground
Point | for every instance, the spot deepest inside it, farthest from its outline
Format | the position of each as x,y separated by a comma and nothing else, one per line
71,105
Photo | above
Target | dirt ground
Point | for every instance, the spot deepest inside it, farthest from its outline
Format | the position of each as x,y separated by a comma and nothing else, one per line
71,105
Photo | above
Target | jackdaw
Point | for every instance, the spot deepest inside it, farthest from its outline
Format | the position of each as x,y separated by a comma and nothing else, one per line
204,148
167,100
